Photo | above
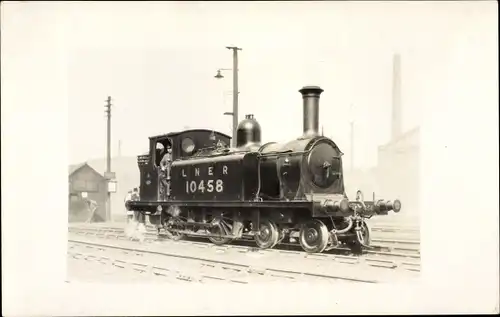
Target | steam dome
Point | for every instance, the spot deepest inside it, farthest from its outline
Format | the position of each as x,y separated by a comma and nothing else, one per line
248,132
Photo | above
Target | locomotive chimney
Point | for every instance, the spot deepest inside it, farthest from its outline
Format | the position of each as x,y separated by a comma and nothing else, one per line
310,96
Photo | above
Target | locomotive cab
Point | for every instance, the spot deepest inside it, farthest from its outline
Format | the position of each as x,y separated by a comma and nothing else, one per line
183,145
148,167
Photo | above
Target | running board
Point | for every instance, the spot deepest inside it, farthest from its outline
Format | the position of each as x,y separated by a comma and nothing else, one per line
247,235
207,235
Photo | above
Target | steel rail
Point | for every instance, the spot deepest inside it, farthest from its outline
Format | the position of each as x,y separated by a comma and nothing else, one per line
383,243
376,262
395,229
220,262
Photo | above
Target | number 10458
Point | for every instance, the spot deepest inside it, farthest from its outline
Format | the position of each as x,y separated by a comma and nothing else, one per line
203,185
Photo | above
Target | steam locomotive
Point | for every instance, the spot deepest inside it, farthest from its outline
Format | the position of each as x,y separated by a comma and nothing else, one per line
265,192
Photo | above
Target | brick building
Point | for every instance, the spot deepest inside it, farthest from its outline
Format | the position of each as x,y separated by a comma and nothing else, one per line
84,180
397,174
127,177
399,170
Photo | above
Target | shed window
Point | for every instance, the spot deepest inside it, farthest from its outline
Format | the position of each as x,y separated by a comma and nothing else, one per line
85,186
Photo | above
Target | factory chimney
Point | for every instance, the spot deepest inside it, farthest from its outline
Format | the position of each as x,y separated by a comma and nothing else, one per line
310,96
396,97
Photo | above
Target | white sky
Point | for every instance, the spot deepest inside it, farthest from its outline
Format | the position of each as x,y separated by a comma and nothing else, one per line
157,62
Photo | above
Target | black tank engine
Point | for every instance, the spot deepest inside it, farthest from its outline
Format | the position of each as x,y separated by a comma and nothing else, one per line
266,192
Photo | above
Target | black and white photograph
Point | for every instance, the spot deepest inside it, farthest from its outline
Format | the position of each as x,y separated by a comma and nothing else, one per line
267,157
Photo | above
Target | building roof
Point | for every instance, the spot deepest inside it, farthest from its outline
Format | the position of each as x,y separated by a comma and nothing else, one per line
404,138
72,169
127,177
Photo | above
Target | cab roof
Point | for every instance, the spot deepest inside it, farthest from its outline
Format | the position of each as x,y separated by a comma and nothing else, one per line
173,134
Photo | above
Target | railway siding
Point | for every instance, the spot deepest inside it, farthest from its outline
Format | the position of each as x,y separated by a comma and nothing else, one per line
388,256
255,260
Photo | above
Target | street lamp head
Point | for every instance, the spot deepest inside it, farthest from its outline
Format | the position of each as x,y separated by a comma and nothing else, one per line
228,113
219,75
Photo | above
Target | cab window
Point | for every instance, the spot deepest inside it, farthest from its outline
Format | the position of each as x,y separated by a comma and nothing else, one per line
159,152
188,146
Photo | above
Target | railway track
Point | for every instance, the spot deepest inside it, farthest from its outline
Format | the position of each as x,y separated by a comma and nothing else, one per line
379,231
390,254
197,269
412,246
395,229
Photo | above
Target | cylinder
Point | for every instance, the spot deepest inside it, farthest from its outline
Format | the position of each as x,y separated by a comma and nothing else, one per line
310,96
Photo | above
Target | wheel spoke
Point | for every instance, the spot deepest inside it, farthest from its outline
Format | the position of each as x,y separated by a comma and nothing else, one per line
218,231
313,236
363,236
171,225
268,235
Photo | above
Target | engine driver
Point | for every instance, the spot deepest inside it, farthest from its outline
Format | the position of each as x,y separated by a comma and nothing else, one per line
164,174
130,213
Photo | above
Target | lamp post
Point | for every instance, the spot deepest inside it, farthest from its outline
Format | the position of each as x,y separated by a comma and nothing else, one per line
235,89
352,137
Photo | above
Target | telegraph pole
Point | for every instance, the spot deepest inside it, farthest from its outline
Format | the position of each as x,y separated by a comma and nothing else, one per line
352,140
108,157
352,146
235,90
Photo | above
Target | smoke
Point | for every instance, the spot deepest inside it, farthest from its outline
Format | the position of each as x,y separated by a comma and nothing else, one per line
135,231
174,211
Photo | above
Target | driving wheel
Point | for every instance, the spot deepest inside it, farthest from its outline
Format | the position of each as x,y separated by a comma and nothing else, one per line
313,236
363,234
268,235
217,232
171,225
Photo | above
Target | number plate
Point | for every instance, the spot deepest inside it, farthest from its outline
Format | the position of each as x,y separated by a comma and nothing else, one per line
207,180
